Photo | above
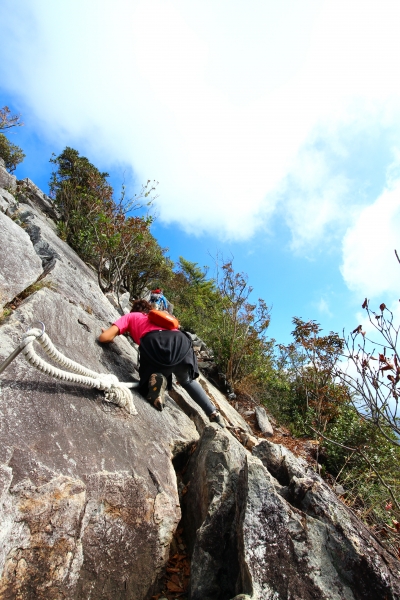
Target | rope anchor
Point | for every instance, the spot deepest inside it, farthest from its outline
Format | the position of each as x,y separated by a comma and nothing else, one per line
114,390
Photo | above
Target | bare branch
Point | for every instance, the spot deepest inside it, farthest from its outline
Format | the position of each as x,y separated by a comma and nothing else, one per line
7,120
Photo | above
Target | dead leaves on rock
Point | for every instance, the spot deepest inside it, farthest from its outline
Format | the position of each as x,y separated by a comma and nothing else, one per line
176,581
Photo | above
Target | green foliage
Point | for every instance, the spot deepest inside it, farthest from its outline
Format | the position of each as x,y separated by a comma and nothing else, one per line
147,264
352,431
366,464
239,340
11,154
193,295
103,231
309,362
84,199
219,311
4,313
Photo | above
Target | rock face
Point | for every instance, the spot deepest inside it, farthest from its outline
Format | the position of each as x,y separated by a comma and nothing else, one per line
275,537
89,494
89,499
7,181
30,194
19,264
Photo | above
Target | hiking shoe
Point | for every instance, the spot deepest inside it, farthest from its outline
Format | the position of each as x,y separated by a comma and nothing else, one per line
215,417
157,387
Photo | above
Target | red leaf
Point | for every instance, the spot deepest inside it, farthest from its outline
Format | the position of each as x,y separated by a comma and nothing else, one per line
382,306
172,570
365,303
174,588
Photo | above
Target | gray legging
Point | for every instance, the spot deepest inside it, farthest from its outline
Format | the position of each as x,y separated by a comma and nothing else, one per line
194,389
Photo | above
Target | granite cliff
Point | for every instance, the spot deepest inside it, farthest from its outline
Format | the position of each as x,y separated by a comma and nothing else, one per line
91,496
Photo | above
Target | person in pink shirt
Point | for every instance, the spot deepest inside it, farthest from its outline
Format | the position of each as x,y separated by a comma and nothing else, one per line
163,352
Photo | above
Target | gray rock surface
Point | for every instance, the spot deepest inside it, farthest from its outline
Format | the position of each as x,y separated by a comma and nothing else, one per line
233,418
275,539
7,201
124,300
7,181
263,421
69,274
89,493
30,194
19,264
90,500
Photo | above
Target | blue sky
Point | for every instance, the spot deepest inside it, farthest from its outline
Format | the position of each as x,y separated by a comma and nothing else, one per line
272,128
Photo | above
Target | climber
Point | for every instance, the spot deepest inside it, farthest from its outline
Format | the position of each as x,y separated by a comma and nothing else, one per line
162,353
159,302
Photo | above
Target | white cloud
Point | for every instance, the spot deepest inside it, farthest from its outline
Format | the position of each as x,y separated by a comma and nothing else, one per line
214,100
369,264
315,200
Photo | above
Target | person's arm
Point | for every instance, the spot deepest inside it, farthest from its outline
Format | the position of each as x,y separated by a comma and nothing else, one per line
108,335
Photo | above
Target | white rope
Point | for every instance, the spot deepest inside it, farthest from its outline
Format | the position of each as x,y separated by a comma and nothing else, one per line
114,390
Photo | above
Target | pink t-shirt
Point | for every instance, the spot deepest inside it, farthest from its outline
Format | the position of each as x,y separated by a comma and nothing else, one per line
137,324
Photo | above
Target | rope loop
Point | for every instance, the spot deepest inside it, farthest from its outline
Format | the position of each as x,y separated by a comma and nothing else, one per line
115,391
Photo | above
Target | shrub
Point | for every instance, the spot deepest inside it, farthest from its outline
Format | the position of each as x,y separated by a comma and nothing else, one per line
11,154
219,311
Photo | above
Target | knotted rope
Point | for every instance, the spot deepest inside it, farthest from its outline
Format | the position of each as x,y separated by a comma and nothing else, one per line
114,390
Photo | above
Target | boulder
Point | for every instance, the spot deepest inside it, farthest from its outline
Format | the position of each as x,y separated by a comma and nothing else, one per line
19,264
89,494
252,534
124,301
263,421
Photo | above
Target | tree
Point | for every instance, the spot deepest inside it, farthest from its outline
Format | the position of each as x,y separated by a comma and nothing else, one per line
102,230
145,264
239,341
193,295
11,154
7,120
81,193
219,311
310,360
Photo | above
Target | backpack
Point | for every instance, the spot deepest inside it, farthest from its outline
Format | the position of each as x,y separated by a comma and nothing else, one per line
162,318
158,301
